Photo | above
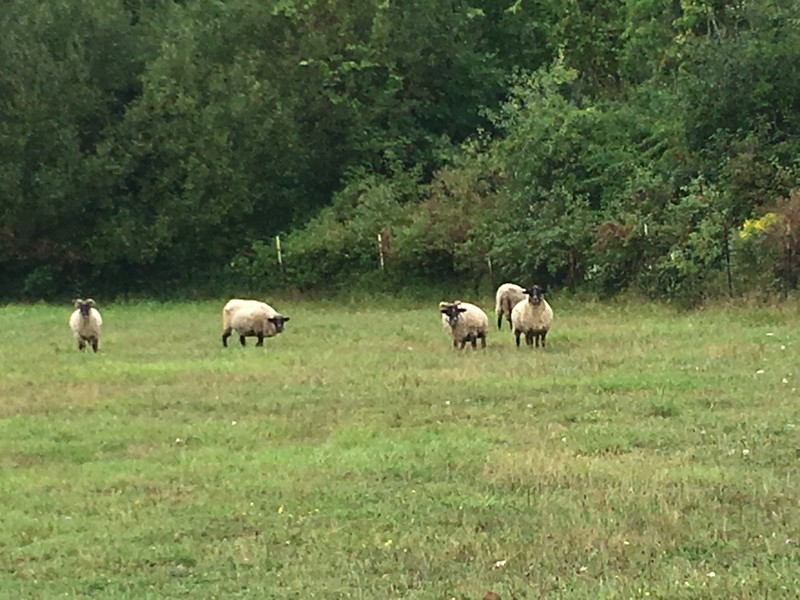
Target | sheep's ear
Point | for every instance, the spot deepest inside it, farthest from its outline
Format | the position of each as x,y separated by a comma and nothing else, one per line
77,302
286,318
442,305
90,301
462,309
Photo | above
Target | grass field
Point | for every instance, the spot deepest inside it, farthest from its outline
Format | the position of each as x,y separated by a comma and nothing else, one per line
644,453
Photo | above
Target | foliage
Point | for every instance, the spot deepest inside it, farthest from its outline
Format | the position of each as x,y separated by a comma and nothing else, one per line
597,145
767,247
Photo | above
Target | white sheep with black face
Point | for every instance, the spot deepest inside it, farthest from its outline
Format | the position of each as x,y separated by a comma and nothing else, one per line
85,323
465,322
250,318
532,316
506,298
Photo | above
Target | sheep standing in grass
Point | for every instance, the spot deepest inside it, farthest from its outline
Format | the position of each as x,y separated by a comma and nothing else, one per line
85,323
532,316
506,299
250,318
465,322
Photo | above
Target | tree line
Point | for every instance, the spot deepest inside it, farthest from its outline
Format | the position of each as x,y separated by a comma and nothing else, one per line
162,145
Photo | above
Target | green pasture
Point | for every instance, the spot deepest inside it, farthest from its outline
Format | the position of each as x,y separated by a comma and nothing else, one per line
645,453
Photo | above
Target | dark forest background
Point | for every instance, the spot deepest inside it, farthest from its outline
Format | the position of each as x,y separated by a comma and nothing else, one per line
159,147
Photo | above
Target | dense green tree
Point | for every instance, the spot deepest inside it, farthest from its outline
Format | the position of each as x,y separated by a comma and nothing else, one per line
152,145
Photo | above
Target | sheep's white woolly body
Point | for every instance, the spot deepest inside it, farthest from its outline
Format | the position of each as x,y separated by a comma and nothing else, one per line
533,317
250,318
85,323
506,298
466,323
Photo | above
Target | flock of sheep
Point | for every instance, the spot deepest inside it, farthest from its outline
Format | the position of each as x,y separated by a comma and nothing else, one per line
531,316
525,309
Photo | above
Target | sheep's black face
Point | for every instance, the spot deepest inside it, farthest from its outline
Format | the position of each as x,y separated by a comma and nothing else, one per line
535,294
278,321
84,307
452,312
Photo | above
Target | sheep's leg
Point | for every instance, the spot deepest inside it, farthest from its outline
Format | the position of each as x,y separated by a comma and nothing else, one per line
499,320
483,341
94,342
225,335
260,337
516,335
474,340
241,340
510,324
544,335
529,338
455,343
81,345
463,343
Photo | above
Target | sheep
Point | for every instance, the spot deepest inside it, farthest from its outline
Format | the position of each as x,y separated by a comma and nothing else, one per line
506,298
466,323
85,323
250,318
532,316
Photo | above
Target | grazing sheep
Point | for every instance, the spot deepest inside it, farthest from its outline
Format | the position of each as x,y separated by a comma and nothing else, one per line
250,318
85,323
506,298
466,323
532,317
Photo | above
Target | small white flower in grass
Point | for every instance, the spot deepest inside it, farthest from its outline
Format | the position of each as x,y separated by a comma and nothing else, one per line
179,441
280,509
626,543
530,405
770,334
499,564
711,574
745,452
447,402
784,380
760,372
564,439
581,570
233,422
783,347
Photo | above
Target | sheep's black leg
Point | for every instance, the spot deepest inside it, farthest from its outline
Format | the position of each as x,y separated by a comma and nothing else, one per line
463,343
500,321
483,341
225,335
455,344
529,338
81,345
260,341
94,342
474,341
516,335
510,324
544,335
241,340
